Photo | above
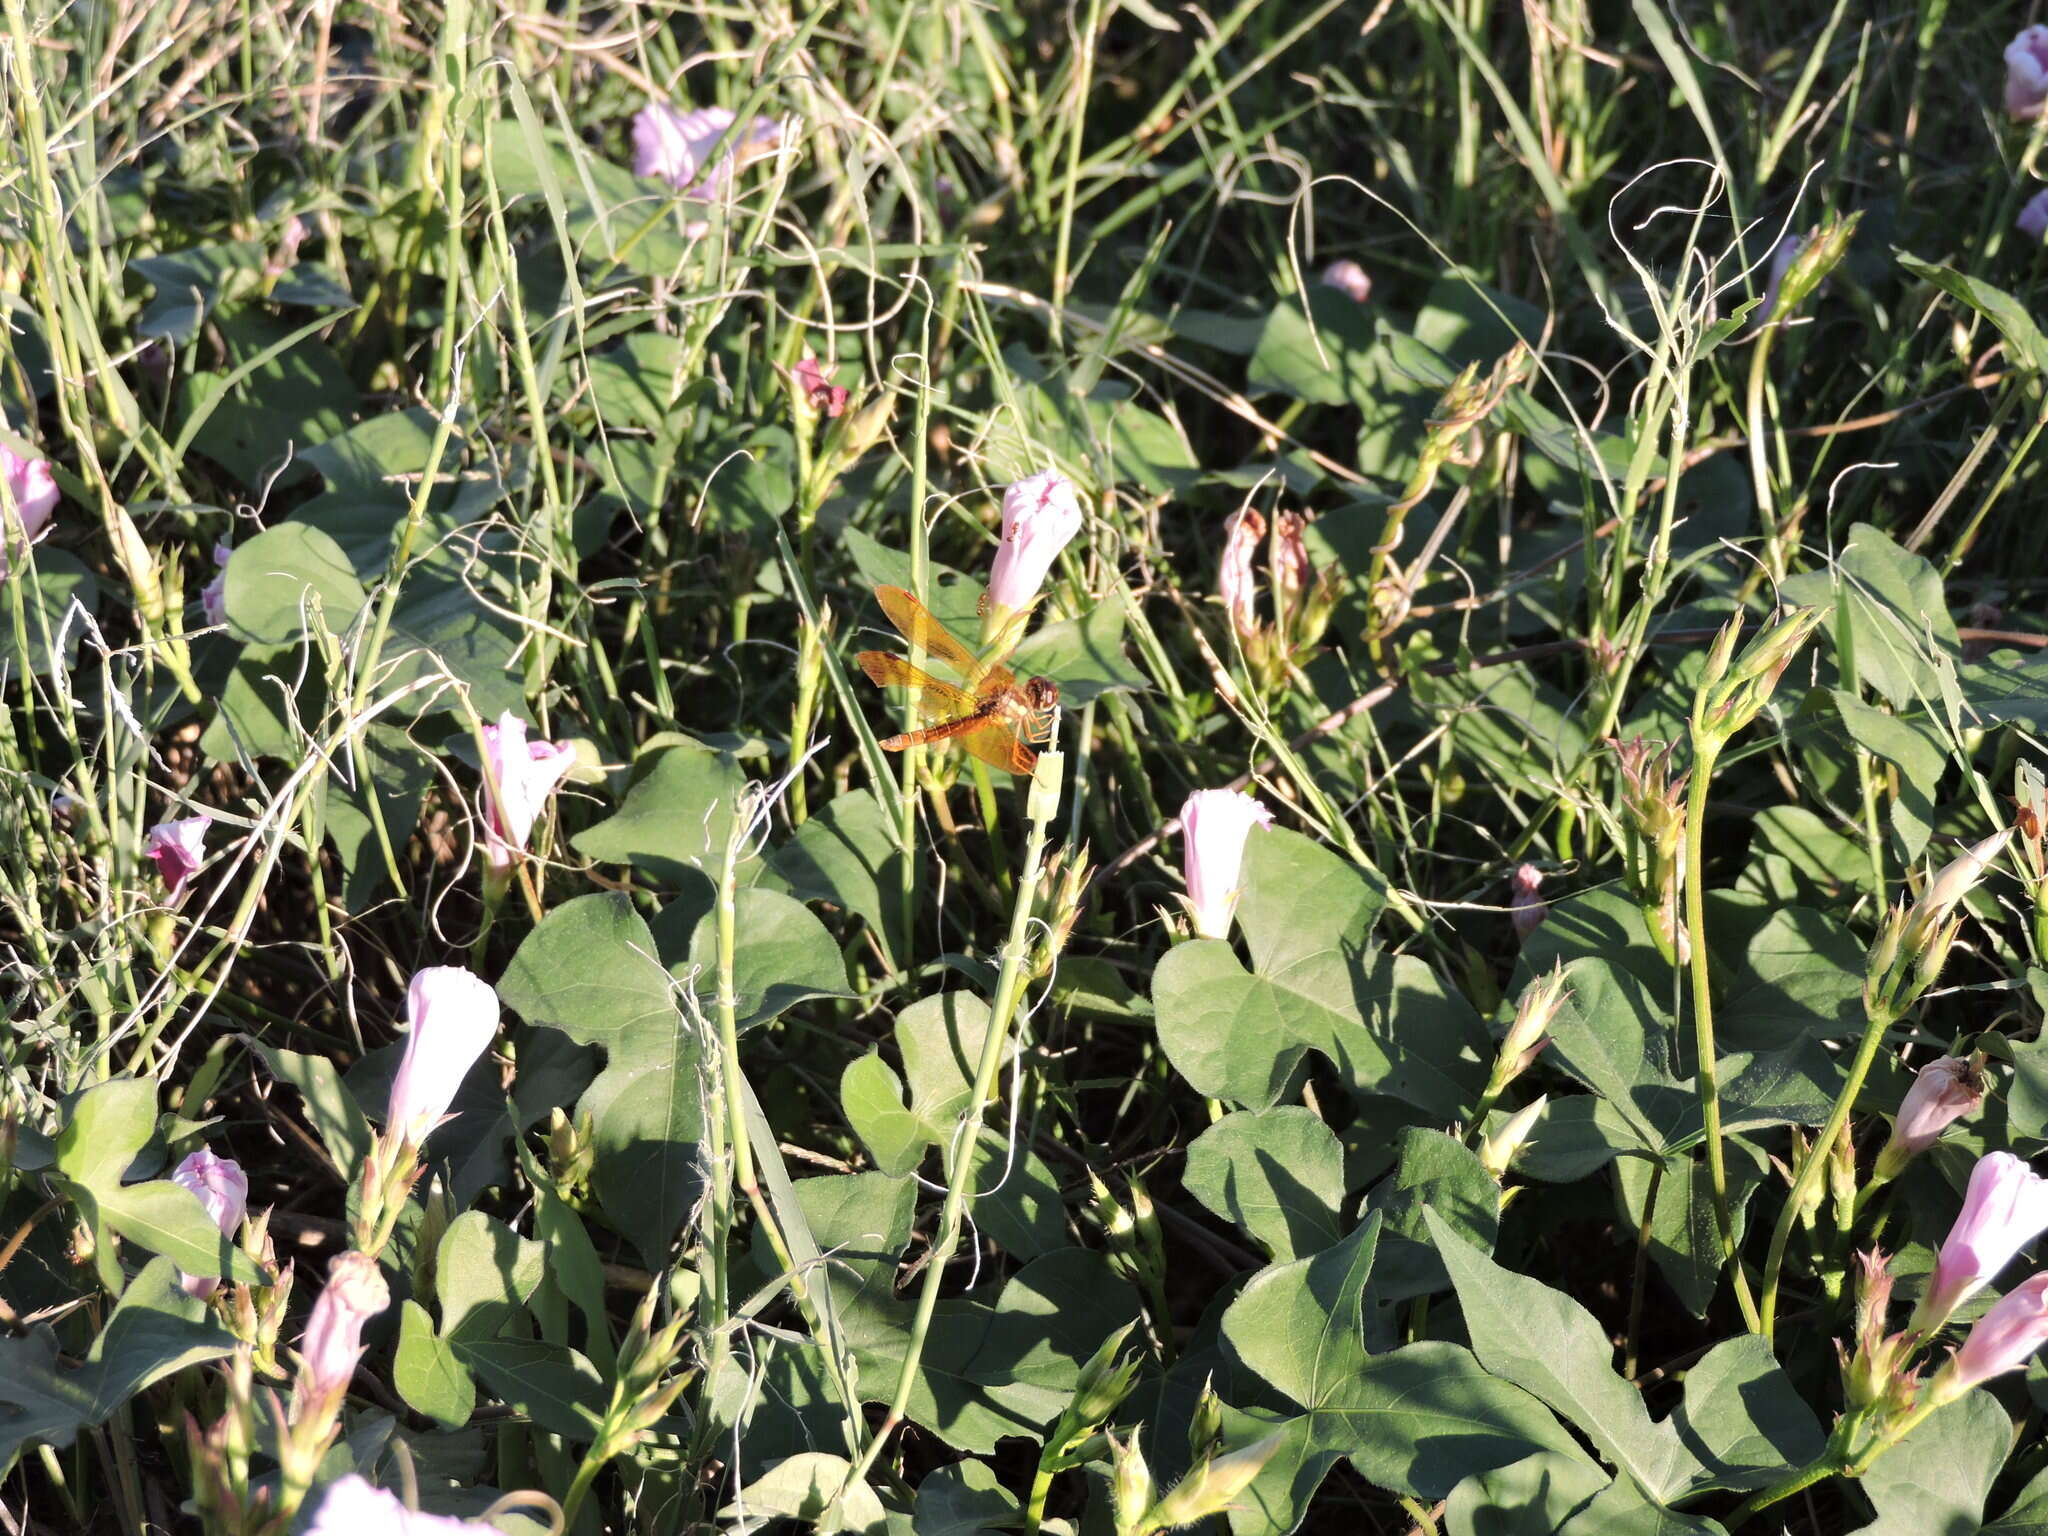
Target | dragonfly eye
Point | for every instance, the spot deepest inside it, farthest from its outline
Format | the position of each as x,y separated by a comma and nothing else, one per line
1043,692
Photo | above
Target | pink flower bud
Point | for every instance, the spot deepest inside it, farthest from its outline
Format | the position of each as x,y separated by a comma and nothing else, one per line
2033,219
28,499
2005,1208
523,774
1041,515
213,599
333,1340
1214,824
820,392
1945,1091
2026,72
1348,278
1526,910
451,1019
674,146
349,1506
2002,1340
223,1189
1951,883
1237,580
178,848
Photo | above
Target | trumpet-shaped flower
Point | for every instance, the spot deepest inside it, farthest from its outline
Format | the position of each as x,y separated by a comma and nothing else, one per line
2004,1209
178,848
522,775
333,1340
451,1019
223,1189
29,497
1041,515
676,146
350,1506
1214,825
2003,1339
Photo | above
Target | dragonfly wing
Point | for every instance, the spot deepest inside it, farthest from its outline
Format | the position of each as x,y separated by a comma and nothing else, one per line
915,623
998,744
935,700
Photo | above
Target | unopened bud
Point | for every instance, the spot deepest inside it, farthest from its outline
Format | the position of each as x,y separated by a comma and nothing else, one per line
1205,1425
1955,880
1819,254
1538,1005
1131,1484
1210,1487
1498,1151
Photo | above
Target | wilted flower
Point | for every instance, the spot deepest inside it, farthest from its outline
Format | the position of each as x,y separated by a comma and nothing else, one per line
213,599
451,1018
29,497
2002,1340
223,1189
178,848
1237,581
1041,515
675,145
1214,824
1946,1089
333,1340
1526,910
2026,72
2033,219
349,1506
819,391
2004,1209
1348,278
522,775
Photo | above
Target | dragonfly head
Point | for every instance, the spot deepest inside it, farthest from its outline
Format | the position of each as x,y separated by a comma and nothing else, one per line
1041,692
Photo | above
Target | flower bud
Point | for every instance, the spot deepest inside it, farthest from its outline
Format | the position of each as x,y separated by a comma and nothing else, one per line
1951,884
178,848
2004,1209
1237,581
333,1340
1498,1151
2002,1340
1819,254
1041,515
213,597
1945,1090
522,774
1205,1424
451,1018
1131,1484
223,1189
1208,1489
1349,279
28,497
1214,825
2032,219
2026,73
1103,1384
1526,910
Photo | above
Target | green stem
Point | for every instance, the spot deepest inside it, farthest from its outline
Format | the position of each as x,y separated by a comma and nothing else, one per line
1805,1477
1041,806
1705,750
1811,1166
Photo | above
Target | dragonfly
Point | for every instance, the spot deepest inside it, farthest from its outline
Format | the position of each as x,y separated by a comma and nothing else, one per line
993,717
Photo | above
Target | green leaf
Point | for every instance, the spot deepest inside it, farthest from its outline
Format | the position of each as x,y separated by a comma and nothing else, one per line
1085,656
1433,1172
803,1487
373,457
2029,1513
397,773
1277,1173
1938,1478
1743,1418
848,854
1317,983
289,582
2012,318
1289,359
673,822
782,955
483,1272
590,969
1530,1497
1887,605
167,1218
156,1330
871,1095
553,1386
2027,1099
1549,1345
748,482
107,1127
965,1499
331,1109
427,1372
1684,1231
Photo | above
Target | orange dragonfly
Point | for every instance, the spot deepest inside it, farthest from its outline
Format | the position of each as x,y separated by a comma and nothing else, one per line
992,717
